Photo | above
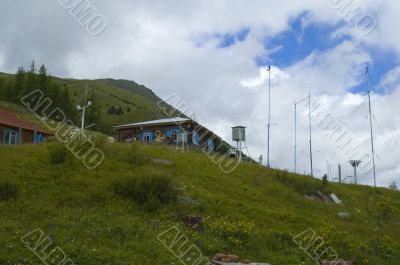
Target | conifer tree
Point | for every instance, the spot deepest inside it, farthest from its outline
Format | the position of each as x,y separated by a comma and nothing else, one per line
43,80
19,85
31,79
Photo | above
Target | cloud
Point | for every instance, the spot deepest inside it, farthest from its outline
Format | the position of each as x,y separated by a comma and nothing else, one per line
276,75
153,43
390,80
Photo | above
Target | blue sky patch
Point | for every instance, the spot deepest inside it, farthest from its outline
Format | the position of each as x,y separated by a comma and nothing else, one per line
383,62
301,39
224,40
298,42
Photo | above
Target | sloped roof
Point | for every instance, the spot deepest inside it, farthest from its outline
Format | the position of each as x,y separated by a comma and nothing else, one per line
155,122
12,119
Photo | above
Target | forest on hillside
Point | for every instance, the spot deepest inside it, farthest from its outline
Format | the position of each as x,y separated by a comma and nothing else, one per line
24,82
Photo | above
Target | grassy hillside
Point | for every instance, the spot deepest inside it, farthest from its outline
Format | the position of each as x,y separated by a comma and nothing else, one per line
136,102
132,87
97,216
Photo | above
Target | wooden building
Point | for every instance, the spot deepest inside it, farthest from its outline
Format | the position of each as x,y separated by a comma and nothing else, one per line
165,131
14,130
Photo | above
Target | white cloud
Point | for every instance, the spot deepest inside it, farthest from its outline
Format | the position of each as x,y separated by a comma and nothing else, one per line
276,76
390,80
151,42
352,100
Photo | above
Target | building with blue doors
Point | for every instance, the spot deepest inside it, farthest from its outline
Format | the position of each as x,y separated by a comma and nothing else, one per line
165,131
14,130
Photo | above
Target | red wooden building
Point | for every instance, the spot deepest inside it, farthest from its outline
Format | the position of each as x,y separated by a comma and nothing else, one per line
14,130
166,131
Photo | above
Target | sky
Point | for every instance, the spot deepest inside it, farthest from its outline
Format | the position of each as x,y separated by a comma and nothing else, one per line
214,55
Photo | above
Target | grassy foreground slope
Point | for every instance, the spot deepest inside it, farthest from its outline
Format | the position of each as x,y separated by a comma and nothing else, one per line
253,212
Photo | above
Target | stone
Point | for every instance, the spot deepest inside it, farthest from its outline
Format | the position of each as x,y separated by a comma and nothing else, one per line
162,161
186,200
344,215
335,198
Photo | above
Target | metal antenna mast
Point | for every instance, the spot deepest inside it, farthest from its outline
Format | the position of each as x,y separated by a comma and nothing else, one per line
269,111
295,137
370,122
309,118
295,131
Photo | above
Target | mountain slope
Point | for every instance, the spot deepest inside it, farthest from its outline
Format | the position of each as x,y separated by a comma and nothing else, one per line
115,101
132,87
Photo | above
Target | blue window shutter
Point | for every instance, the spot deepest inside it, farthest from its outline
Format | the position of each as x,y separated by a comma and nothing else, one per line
196,138
210,145
151,137
169,133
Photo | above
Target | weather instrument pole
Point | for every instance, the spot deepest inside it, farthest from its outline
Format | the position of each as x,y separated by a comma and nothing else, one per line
309,119
355,164
83,109
83,112
370,123
269,111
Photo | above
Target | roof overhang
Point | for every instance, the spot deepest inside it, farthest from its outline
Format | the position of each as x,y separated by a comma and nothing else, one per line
172,121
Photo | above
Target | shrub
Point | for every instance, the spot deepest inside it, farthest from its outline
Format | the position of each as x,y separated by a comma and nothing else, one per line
58,154
150,192
8,191
300,184
135,155
325,180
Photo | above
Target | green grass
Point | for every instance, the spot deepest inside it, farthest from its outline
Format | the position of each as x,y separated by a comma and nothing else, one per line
140,107
253,212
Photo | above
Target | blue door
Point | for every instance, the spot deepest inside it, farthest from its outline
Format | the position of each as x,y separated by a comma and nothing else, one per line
39,138
151,137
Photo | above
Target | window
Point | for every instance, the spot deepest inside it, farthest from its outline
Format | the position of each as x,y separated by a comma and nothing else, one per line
174,136
146,137
10,136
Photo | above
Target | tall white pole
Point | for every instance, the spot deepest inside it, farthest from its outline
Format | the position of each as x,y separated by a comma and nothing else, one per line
355,175
83,112
309,118
295,137
269,112
370,122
